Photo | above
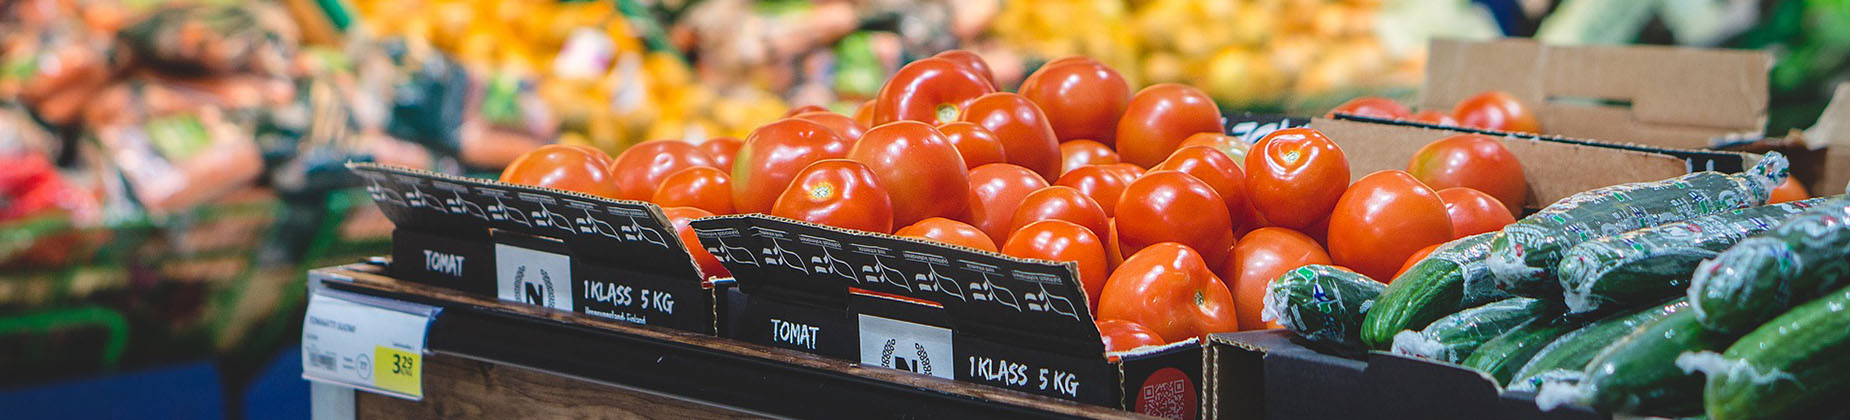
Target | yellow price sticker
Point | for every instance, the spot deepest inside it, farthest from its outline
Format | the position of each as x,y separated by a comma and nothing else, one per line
398,371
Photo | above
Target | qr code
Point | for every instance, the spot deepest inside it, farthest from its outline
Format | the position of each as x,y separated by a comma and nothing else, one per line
324,361
1165,399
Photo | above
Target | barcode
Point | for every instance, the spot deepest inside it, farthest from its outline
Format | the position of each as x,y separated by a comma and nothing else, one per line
324,361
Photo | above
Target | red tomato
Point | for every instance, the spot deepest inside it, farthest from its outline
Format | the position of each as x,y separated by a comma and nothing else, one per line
949,231
1415,259
803,109
641,168
1232,146
1168,288
932,90
1384,218
1791,190
722,150
1023,129
976,144
1060,240
773,154
1060,203
1135,170
1218,171
865,114
1170,206
1103,183
1494,110
1473,161
1434,117
1083,98
1258,258
1159,118
700,187
1473,212
1114,251
571,168
1371,106
1294,176
1121,335
840,193
1078,153
995,190
971,61
842,124
918,167
680,216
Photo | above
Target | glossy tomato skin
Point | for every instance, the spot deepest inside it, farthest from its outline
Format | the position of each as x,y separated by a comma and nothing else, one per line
1371,106
1121,335
1060,240
1496,110
931,90
1060,203
1103,183
1258,258
1114,251
1219,172
996,190
804,109
973,62
916,165
1019,123
1170,206
1473,212
949,231
1159,118
679,217
773,154
641,168
701,187
844,125
1434,117
1078,153
840,193
1473,161
1791,190
865,114
976,144
1294,176
722,150
1083,98
571,168
1383,218
1231,146
1168,288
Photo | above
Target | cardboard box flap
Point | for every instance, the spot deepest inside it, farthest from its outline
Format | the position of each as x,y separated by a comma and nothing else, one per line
1029,303
1832,132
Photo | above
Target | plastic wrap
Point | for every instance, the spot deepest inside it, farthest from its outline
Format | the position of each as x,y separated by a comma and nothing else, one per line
1763,275
1454,337
1563,359
1434,287
1323,304
1639,373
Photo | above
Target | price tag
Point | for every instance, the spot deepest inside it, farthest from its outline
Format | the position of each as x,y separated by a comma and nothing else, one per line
366,342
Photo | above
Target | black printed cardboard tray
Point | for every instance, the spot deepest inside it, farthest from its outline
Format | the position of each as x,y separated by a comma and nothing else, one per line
612,259
951,312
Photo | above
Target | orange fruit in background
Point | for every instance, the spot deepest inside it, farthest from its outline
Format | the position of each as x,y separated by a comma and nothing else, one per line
1791,190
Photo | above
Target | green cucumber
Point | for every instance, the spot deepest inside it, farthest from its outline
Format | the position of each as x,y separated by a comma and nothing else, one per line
1796,366
1432,288
1454,337
1524,255
1648,265
1639,373
1501,357
1761,276
1565,358
1323,304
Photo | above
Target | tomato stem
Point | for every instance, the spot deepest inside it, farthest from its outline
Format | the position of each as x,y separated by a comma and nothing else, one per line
947,113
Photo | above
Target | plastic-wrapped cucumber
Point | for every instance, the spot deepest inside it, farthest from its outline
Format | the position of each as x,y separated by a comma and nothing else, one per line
1432,288
1794,367
1524,255
1763,275
1454,337
1321,303
1501,357
1651,264
1639,374
1564,359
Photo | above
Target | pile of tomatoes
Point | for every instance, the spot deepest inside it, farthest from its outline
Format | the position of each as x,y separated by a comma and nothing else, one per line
1174,227
1489,110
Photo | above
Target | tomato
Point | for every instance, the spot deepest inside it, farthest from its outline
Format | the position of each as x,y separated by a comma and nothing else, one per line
1294,176
996,190
1791,190
1168,288
773,154
1170,206
1384,218
918,167
1473,212
571,168
1371,106
1077,153
1219,172
679,217
1258,258
700,187
949,231
1473,161
976,144
1434,117
1121,335
837,192
1415,258
932,90
804,109
1114,253
1159,118
865,114
1232,146
1103,183
722,150
1083,98
973,62
1060,240
1023,129
640,169
1495,110
1060,203
842,124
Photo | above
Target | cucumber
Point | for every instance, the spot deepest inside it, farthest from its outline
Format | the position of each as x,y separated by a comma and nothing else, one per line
1648,265
1432,288
1524,255
1323,304
1565,358
1639,373
1501,357
1796,366
1454,337
1763,275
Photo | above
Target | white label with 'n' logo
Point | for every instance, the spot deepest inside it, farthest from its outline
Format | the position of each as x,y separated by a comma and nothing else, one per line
907,346
533,277
437,262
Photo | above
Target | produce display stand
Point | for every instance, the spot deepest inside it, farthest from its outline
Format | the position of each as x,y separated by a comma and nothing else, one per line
497,359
